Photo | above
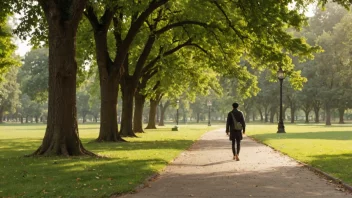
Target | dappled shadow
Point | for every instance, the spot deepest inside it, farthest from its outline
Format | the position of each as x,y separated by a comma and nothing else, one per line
337,165
92,177
328,135
18,147
139,145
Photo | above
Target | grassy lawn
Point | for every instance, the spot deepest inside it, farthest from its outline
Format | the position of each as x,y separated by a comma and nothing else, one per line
127,164
328,148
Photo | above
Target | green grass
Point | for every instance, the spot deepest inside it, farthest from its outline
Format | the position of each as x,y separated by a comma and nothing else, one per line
328,148
127,164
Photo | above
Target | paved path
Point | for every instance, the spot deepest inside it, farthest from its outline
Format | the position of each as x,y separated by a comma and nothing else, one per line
207,170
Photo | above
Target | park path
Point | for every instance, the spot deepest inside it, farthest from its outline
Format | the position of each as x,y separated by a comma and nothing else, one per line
207,170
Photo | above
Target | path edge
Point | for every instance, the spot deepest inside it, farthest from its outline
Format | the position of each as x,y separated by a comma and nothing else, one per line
311,168
156,175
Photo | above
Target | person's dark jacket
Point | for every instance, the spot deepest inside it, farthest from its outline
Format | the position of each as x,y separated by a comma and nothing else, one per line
230,125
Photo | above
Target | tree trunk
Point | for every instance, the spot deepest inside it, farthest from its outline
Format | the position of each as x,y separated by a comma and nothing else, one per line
128,91
198,117
1,115
84,118
253,116
36,119
247,116
316,112
272,115
152,114
61,135
266,114
292,114
162,112
341,114
108,107
138,112
328,115
27,118
21,119
261,115
307,116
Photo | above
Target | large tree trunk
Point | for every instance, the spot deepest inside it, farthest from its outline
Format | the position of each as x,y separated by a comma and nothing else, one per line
36,119
109,76
328,115
341,114
163,108
138,112
108,108
61,136
152,113
128,90
198,117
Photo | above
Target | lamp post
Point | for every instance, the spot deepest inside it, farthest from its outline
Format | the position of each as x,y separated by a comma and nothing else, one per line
281,77
177,113
209,105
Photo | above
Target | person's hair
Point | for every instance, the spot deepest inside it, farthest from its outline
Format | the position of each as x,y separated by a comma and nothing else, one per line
235,105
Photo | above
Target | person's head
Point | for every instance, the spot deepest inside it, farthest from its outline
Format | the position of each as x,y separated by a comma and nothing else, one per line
235,105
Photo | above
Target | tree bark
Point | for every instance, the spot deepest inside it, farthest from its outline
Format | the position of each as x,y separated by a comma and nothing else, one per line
198,117
163,108
138,112
152,113
61,136
341,114
36,119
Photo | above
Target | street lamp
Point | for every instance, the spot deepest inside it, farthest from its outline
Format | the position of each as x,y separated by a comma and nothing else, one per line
177,113
281,77
209,105
175,128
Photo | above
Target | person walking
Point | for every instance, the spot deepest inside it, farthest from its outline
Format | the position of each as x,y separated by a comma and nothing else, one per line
235,125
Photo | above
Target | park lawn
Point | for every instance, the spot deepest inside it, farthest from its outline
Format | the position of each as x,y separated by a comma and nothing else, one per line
126,165
328,148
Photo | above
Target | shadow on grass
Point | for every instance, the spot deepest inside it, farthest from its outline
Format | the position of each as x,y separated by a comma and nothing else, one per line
328,135
84,177
336,165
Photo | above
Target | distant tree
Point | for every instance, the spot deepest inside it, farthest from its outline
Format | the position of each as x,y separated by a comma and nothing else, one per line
9,92
34,75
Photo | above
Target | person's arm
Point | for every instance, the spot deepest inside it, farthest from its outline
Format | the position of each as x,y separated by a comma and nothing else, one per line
228,124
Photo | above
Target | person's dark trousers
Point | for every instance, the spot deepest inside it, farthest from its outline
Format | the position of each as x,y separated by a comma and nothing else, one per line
236,138
238,142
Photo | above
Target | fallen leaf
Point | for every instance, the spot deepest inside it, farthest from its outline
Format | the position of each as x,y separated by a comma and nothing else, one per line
95,189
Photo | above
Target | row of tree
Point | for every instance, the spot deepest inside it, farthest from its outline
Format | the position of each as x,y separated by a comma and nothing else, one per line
151,50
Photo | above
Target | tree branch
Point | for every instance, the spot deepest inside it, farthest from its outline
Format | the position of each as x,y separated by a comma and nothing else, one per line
229,21
120,56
